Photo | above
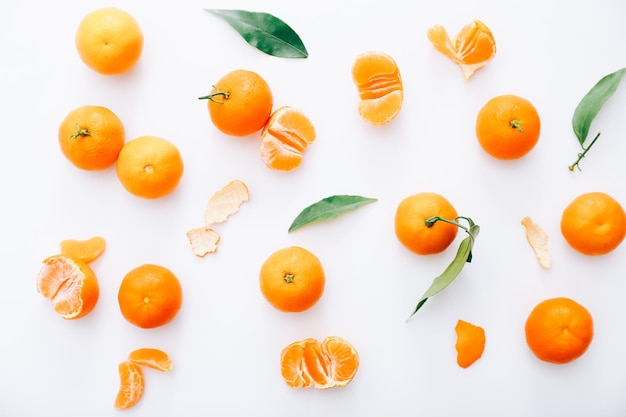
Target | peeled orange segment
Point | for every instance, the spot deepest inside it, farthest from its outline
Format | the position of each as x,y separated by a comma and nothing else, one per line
70,284
472,48
226,202
131,385
470,343
83,250
309,363
537,239
203,240
285,137
152,358
378,82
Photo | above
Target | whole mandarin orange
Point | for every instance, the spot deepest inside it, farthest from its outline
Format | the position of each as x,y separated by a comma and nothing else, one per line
292,279
594,223
240,103
559,330
508,127
150,296
412,229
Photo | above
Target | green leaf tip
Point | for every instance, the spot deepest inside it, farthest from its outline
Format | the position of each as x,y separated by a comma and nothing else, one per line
329,208
265,32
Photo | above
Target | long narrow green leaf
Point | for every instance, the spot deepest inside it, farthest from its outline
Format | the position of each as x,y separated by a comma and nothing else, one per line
266,32
592,103
463,256
328,208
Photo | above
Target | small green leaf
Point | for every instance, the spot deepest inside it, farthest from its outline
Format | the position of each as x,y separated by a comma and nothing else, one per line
265,32
463,256
329,208
592,102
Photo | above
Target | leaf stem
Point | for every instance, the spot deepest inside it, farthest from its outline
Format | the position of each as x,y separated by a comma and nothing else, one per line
224,94
434,219
582,154
515,124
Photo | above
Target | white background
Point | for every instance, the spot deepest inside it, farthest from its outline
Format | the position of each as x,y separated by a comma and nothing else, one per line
226,340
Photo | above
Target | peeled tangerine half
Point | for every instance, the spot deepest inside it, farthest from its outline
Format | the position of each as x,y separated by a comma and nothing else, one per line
378,82
470,343
285,137
472,48
309,363
70,284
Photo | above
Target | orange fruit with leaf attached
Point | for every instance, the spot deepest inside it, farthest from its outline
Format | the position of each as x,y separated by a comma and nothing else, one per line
84,250
91,137
149,167
131,385
150,296
594,223
415,233
333,362
109,41
285,137
70,284
379,84
292,279
471,49
508,127
559,330
470,343
240,103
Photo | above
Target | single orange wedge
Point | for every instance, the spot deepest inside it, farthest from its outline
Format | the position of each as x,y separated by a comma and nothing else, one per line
378,82
470,343
152,358
472,48
310,363
83,250
131,385
285,137
70,284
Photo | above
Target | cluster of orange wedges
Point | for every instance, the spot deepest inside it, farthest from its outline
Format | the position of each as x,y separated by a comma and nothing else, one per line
132,381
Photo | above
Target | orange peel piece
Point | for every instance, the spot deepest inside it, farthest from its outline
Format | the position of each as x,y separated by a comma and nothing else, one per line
537,239
203,240
470,343
226,202
471,49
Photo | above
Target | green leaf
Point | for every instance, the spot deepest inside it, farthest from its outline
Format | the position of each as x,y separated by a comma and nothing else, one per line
329,208
265,32
592,102
463,256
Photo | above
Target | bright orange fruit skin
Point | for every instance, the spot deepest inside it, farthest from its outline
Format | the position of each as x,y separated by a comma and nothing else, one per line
149,167
470,343
109,41
292,279
150,296
410,223
508,127
246,105
91,137
559,330
594,223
